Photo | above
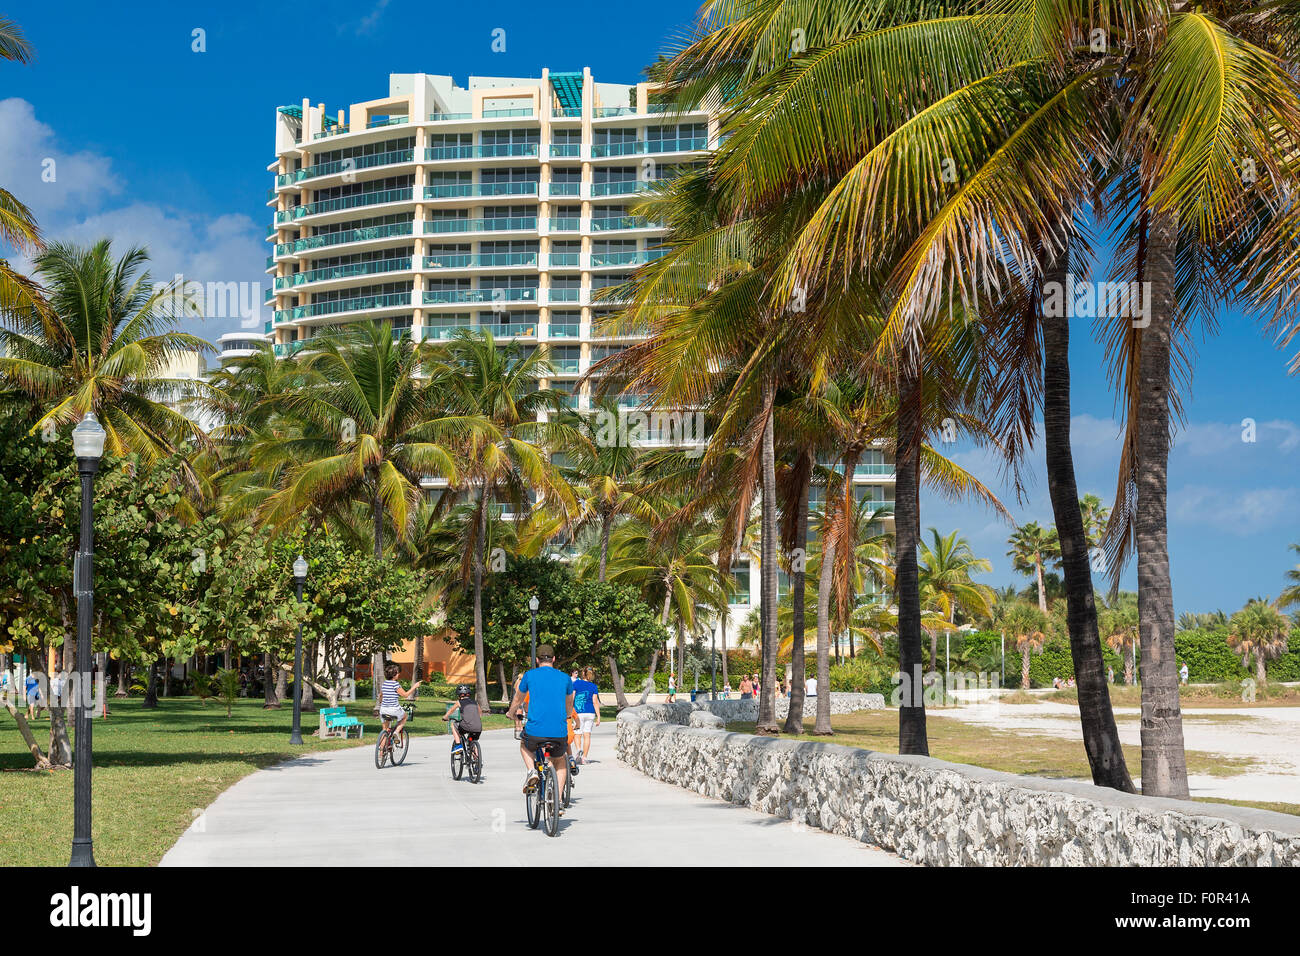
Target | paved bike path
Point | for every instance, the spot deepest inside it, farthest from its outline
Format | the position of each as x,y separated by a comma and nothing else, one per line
336,809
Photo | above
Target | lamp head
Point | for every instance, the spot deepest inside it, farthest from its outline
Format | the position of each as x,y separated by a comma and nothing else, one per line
88,437
300,568
533,603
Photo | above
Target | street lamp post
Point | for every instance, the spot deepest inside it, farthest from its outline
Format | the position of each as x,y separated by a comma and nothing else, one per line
533,604
713,664
88,444
299,579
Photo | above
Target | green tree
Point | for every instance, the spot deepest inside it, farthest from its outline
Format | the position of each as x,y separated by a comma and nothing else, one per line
1290,595
1032,547
1261,631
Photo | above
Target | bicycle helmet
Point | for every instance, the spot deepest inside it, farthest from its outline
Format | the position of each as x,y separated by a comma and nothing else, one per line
462,690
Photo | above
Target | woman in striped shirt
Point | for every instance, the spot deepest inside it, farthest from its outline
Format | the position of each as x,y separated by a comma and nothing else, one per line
390,707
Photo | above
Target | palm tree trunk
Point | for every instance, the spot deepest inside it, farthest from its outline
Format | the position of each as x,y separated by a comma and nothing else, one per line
650,680
121,680
798,673
269,698
1164,763
1100,735
620,694
1261,675
722,633
417,666
912,737
1024,667
377,514
767,725
506,694
151,686
606,523
1038,573
480,666
823,724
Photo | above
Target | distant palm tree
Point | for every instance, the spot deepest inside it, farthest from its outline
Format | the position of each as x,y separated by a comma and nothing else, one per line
1261,631
17,226
1291,593
1187,621
1118,623
101,344
946,566
1027,626
1032,546
1095,515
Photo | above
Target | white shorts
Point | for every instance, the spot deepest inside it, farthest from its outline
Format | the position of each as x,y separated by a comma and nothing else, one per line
395,713
585,723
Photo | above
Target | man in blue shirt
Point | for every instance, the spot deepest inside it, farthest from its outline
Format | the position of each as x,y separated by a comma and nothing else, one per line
586,701
547,696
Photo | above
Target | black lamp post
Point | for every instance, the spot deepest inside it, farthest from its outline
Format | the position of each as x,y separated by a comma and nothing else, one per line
299,579
88,444
533,604
713,664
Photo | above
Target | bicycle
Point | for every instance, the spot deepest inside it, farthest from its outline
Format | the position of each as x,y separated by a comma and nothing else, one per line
469,757
542,802
392,747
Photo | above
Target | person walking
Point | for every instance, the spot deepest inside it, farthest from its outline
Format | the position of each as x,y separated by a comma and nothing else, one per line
586,702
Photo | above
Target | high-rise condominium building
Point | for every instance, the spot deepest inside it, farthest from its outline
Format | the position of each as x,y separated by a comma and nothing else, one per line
503,205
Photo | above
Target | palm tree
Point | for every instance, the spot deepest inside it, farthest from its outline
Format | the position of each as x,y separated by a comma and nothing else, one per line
1094,515
1291,593
1260,630
1118,621
506,453
605,478
101,345
946,566
17,226
1032,546
1027,626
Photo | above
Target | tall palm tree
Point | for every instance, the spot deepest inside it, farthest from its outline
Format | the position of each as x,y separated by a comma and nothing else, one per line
17,226
1094,515
1261,631
101,345
1027,625
946,566
1032,546
507,454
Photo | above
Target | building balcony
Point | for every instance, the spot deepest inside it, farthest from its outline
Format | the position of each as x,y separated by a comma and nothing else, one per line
378,197
346,271
498,296
340,166
365,303
623,187
526,224
494,260
649,147
623,223
474,190
327,240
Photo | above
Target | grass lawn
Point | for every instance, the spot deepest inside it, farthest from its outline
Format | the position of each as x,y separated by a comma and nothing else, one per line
1037,755
154,767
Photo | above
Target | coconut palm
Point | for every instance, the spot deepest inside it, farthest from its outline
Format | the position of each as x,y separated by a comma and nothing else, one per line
506,453
1027,626
1032,546
1261,631
946,566
101,344
1094,515
1118,621
17,226
1291,593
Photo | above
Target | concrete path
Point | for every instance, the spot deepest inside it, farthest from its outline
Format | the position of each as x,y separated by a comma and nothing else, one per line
336,809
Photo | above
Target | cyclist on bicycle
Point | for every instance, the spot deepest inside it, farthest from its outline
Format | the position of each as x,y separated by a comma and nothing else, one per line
550,710
469,720
390,707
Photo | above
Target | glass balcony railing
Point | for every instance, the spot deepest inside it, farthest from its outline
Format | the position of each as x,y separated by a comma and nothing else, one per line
501,114
442,332
566,366
284,349
357,304
518,329
563,189
453,296
267,327
565,224
280,315
270,262
565,149
563,330
387,121
326,239
611,223
640,146
505,149
443,117
561,260
502,224
487,260
270,294
374,198
346,164
332,131
623,187
325,273
631,258
602,111
564,295
566,112
454,190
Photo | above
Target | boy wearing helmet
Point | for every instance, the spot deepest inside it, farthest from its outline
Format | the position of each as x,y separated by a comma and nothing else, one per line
469,720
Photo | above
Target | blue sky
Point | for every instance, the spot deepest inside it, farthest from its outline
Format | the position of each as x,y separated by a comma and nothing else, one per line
156,144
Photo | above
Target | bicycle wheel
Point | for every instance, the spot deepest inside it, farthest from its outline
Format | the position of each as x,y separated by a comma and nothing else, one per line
475,761
457,763
401,747
568,788
533,803
551,802
381,751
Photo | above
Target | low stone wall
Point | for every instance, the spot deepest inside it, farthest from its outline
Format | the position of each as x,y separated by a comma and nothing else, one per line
740,711
946,814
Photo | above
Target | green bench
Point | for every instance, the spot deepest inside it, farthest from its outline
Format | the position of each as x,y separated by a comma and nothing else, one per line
335,722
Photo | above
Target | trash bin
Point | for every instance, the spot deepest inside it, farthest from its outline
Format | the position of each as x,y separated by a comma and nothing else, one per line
693,693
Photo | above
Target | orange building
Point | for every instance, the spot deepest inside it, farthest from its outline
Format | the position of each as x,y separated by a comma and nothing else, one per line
441,656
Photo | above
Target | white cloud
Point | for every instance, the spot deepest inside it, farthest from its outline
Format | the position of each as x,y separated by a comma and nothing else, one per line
79,207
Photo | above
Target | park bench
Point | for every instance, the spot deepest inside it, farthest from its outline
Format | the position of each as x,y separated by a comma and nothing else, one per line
335,722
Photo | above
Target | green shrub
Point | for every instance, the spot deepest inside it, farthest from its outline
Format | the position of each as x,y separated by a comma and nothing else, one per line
1208,657
228,687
